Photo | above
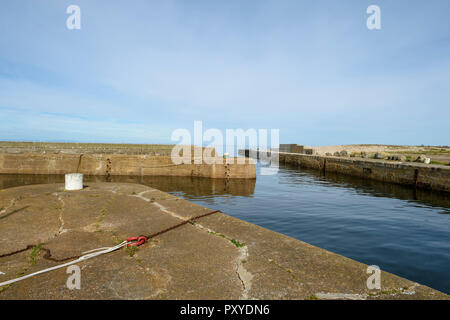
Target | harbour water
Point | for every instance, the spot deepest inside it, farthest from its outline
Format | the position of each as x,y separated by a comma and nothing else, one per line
402,230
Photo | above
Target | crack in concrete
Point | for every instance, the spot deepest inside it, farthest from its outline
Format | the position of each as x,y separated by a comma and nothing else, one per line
140,195
173,214
61,218
160,206
12,202
243,274
245,277
112,189
102,216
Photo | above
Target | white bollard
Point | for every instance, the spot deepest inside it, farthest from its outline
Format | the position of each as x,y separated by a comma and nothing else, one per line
74,181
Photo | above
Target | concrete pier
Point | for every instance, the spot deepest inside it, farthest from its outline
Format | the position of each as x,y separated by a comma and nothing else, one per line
215,257
426,176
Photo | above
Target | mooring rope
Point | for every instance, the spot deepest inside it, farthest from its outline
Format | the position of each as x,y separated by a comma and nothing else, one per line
94,252
87,256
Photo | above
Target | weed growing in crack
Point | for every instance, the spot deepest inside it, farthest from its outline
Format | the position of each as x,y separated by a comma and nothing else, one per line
216,234
34,254
237,243
131,250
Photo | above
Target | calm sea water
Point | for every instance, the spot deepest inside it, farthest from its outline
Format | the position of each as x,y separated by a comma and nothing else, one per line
402,230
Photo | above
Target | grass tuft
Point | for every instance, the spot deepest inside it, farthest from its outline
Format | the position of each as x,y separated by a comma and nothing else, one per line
237,243
34,254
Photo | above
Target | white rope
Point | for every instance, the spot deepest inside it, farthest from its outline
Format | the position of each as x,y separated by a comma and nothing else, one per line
99,251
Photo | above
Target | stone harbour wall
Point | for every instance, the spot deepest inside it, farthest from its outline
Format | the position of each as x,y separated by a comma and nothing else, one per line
420,175
120,164
435,177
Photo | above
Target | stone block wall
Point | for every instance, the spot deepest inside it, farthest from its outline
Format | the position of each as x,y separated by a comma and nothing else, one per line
435,177
293,148
120,164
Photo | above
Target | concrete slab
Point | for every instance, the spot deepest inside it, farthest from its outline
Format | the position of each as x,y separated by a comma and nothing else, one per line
215,257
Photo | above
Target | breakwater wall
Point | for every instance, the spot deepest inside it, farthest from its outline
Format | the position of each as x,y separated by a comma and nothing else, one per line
120,165
434,177
91,148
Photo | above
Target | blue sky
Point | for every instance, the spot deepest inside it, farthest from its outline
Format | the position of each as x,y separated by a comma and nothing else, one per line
138,70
